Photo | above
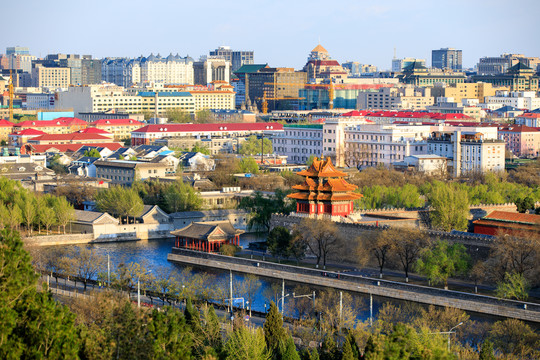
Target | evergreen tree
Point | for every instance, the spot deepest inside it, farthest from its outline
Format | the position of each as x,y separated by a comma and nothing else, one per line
171,335
329,349
32,324
274,332
486,353
287,350
246,344
348,352
212,330
354,346
373,349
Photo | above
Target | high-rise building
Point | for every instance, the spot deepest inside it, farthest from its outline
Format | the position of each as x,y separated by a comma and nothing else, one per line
208,70
90,71
447,58
321,66
17,50
499,65
237,58
399,64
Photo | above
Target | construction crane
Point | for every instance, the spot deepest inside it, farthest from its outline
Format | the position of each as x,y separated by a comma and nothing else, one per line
11,95
265,98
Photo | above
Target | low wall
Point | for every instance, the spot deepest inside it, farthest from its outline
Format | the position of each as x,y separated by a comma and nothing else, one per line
422,294
63,239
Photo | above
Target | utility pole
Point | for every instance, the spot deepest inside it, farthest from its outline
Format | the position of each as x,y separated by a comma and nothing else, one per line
370,309
340,308
230,289
283,297
262,147
138,293
108,270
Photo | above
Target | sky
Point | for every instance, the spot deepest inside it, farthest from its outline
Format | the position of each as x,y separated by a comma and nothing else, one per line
281,32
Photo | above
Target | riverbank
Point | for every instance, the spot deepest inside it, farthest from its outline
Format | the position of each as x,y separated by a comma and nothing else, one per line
389,289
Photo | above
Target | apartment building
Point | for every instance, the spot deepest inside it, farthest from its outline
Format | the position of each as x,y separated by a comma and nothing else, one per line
62,125
396,98
517,99
155,99
150,133
471,150
531,119
476,90
237,58
121,128
50,77
6,128
299,142
124,172
447,58
521,140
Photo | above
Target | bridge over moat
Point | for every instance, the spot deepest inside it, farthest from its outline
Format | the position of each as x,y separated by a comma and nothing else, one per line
396,290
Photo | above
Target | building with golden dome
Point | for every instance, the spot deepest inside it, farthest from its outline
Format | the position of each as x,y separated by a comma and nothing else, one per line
324,191
321,66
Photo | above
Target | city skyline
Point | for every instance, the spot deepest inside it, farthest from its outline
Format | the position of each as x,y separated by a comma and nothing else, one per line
281,34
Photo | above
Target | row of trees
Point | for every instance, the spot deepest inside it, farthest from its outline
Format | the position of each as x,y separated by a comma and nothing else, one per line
19,206
129,202
107,326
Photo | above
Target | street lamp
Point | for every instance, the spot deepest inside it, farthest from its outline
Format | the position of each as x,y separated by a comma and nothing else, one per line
449,333
282,299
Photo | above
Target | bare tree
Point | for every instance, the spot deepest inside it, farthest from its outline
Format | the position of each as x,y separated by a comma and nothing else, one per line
406,247
379,246
322,238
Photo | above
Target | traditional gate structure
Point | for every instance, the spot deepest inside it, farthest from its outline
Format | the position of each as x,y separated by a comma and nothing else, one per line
207,236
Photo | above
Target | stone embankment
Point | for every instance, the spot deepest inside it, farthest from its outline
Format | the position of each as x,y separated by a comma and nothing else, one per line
396,290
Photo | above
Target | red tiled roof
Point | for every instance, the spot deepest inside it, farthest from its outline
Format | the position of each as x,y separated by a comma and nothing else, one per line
530,115
27,132
518,128
70,147
409,115
168,128
70,137
62,121
5,123
506,216
92,130
116,122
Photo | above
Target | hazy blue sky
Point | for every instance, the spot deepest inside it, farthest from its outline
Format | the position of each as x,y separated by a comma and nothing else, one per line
281,33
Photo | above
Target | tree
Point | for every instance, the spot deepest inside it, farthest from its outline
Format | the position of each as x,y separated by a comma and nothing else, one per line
212,330
329,349
380,246
274,332
181,197
514,254
246,344
47,214
322,238
442,261
514,286
524,204
407,248
486,352
198,147
262,207
450,207
249,287
310,160
253,146
203,116
120,201
287,350
32,324
64,212
171,336
92,153
249,165
88,263
228,249
514,337
178,115
298,246
27,203
279,241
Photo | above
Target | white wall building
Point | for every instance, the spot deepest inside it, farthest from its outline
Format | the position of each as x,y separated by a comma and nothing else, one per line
299,142
519,99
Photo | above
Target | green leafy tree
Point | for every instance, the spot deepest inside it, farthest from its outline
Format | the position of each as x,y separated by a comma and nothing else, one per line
64,212
450,207
28,205
249,165
203,116
181,196
246,344
274,332
262,207
92,153
178,115
212,330
329,349
253,146
516,338
514,286
279,241
310,159
442,261
198,147
120,201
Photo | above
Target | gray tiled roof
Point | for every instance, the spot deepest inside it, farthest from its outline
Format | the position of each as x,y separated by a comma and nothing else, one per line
206,230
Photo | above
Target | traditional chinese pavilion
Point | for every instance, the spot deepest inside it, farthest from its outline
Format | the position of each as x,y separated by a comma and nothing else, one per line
324,191
207,236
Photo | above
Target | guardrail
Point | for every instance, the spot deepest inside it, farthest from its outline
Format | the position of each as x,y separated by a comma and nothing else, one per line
362,280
